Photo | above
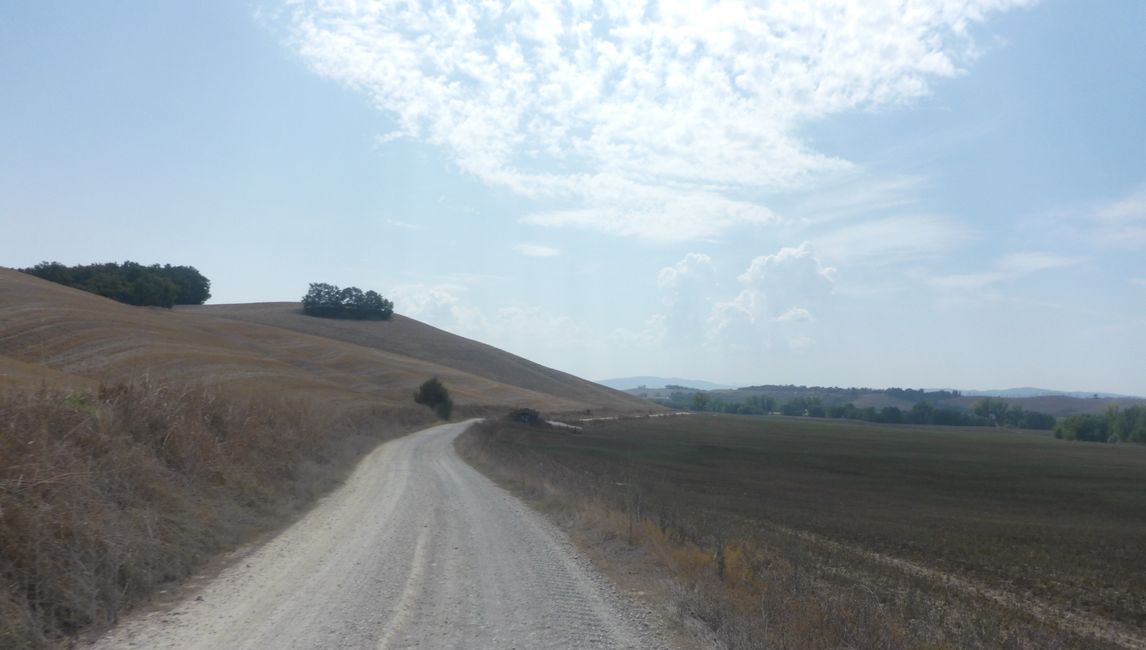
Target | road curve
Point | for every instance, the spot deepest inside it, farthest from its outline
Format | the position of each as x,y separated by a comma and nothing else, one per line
416,550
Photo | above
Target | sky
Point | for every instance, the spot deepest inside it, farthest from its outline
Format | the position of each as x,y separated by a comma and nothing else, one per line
918,193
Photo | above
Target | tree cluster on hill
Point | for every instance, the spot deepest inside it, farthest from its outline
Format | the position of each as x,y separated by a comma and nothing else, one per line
987,412
130,282
328,301
1117,425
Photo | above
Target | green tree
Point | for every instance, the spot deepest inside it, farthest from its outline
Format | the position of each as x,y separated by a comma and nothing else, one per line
1088,428
131,282
922,413
329,301
433,394
993,411
192,288
699,401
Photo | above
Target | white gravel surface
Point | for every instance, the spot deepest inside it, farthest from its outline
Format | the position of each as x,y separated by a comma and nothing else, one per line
416,550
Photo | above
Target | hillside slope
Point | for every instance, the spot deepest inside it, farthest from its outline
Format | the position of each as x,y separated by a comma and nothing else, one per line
138,443
69,338
416,340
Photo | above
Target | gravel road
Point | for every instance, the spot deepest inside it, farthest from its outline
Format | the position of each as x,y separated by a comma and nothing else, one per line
416,550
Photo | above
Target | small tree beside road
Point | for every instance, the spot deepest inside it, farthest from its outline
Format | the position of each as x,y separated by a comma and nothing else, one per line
433,393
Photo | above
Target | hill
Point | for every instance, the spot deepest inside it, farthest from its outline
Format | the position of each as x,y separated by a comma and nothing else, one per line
140,442
65,337
631,383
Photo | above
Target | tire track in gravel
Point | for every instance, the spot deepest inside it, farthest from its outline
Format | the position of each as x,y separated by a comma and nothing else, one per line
416,550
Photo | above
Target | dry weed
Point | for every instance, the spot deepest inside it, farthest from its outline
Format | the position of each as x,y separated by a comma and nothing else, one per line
106,495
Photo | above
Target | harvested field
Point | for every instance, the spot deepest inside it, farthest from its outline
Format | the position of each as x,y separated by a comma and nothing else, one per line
889,536
48,331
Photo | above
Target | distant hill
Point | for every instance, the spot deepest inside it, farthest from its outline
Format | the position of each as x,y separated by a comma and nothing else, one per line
630,383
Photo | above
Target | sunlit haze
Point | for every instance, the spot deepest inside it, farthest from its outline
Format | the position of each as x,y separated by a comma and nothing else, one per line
921,194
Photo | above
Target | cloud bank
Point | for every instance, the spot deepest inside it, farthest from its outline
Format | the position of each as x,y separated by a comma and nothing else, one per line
645,119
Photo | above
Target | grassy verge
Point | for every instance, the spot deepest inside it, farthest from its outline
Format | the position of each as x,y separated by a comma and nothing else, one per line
794,534
106,496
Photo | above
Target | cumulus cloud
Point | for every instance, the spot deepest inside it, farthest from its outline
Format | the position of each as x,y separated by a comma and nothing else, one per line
647,119
529,330
782,289
438,305
691,278
775,296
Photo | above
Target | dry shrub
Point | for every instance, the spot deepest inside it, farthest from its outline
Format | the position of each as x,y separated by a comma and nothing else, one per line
105,496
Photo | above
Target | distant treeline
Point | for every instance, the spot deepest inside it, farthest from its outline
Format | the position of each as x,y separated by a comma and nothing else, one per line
328,301
838,395
130,282
986,412
1125,425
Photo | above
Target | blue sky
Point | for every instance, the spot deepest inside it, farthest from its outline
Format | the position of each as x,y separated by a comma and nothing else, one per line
947,195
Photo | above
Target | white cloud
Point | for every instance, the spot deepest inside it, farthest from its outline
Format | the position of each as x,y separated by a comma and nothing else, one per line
1122,222
1031,262
1139,281
891,240
968,281
405,225
1008,267
677,102
778,290
531,331
775,296
655,214
789,278
438,305
854,195
536,250
693,276
1129,208
795,315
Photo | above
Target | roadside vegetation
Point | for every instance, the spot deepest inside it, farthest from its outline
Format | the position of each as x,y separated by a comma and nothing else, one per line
107,495
804,533
329,301
433,394
986,412
131,283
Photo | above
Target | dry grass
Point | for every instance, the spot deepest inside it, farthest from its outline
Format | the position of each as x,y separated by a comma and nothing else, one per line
788,534
105,495
64,334
218,425
410,338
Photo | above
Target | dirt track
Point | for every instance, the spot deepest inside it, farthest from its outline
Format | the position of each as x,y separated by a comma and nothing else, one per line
416,550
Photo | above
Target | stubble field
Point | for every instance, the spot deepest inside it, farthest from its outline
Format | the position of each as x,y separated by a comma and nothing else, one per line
890,536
